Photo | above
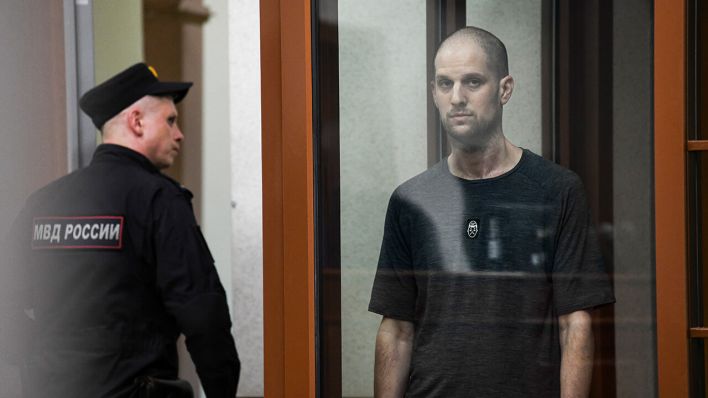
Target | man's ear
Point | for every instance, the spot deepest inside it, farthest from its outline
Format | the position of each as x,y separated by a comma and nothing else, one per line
506,87
432,92
135,121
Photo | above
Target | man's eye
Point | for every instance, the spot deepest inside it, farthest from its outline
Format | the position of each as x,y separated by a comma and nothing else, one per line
444,84
473,82
171,121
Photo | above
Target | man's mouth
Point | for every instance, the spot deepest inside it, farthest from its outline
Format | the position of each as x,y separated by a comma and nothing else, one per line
460,117
461,114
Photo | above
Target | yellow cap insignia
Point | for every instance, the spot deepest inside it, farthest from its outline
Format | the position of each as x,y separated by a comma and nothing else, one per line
154,72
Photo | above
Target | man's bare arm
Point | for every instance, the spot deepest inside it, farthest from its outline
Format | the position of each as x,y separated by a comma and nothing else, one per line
577,346
394,345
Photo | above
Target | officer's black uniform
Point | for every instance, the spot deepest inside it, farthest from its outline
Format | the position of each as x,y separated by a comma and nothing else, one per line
110,300
116,268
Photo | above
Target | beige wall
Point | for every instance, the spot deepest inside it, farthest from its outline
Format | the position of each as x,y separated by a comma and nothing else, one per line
244,109
118,36
517,23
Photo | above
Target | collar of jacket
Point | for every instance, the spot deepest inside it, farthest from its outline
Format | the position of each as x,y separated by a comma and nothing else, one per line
116,152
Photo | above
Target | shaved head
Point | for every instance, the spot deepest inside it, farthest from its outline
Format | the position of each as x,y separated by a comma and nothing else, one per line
494,49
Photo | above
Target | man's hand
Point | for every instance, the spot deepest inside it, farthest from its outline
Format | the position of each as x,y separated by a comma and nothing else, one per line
394,345
577,346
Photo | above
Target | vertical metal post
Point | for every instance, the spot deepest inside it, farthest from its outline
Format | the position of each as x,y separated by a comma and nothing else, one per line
442,19
78,45
72,138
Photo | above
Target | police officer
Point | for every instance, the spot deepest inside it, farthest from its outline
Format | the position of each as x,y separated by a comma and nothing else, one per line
114,265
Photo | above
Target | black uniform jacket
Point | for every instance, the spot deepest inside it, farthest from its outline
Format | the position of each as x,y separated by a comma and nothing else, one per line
114,268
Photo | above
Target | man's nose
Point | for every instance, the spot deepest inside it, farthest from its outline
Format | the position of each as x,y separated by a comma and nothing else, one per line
178,134
458,96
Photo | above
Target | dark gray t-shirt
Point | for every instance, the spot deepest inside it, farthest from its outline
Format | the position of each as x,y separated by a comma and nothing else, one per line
483,268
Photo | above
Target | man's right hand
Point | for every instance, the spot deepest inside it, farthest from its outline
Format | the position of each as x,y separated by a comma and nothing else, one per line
394,345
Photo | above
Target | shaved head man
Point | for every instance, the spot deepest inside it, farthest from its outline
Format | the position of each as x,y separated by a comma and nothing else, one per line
488,266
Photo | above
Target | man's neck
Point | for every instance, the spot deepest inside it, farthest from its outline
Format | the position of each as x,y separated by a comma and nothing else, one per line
495,158
124,140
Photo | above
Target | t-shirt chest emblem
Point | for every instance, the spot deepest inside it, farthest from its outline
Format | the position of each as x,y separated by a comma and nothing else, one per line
472,228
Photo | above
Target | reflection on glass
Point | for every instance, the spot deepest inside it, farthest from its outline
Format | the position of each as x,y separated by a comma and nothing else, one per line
518,24
383,89
383,92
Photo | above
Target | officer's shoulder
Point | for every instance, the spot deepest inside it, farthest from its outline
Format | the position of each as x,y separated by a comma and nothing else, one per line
172,186
151,179
54,187
155,184
137,179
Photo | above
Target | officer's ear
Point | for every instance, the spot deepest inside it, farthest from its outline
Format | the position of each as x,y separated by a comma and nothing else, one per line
135,121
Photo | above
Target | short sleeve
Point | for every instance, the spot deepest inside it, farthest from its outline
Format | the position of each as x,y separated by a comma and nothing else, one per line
580,280
394,291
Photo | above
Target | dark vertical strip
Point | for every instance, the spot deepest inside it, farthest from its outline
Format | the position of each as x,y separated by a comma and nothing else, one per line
432,29
454,16
548,34
697,168
443,17
693,86
585,139
562,83
85,77
697,105
325,53
603,162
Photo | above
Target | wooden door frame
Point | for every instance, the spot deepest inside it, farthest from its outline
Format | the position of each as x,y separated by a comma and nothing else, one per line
670,196
288,211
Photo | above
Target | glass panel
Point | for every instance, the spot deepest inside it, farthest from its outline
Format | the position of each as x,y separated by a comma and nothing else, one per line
33,112
631,232
383,91
521,33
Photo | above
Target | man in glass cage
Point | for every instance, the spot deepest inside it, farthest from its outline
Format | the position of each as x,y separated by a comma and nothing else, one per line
489,265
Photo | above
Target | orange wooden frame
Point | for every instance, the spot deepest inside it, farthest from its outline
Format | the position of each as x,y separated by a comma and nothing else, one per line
288,197
670,196
699,333
288,227
697,145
